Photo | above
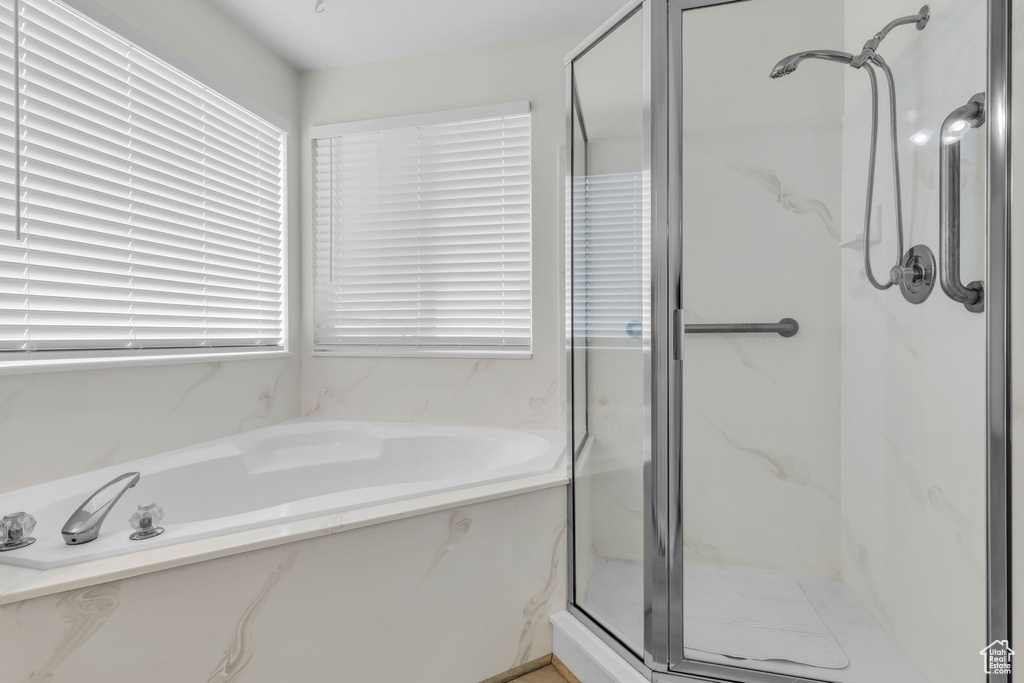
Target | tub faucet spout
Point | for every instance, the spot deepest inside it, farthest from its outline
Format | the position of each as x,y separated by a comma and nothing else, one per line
84,525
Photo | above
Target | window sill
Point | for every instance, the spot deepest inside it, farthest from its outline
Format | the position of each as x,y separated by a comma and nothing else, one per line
422,353
19,367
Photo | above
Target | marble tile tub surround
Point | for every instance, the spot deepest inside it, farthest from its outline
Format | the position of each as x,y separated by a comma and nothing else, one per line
56,424
505,393
913,377
333,608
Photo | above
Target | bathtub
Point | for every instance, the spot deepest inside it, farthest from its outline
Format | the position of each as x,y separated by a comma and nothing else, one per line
291,471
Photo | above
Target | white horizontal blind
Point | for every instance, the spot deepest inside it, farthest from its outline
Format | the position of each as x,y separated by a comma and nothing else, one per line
151,207
608,255
423,239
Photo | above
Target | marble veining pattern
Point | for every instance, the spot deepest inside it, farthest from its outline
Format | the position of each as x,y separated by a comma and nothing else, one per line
706,552
782,467
459,524
210,371
83,612
539,606
266,400
240,650
791,201
742,354
479,367
540,406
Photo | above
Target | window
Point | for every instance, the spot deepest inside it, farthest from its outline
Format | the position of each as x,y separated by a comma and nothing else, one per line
608,256
422,242
140,212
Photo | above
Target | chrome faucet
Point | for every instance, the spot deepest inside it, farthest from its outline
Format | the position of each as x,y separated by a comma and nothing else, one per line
84,525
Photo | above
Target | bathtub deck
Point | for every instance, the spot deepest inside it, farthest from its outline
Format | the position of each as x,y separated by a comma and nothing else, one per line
23,583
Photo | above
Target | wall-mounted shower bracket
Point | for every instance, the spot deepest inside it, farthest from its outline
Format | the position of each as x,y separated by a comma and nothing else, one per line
915,274
919,20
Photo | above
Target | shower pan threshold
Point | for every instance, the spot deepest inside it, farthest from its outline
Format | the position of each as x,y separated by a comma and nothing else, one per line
616,588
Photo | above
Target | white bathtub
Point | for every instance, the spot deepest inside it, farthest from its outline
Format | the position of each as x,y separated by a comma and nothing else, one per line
294,470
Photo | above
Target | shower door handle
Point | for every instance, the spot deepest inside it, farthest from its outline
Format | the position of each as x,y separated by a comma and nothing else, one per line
954,128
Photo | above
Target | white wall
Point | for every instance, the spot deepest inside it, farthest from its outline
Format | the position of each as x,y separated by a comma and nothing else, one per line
54,424
511,393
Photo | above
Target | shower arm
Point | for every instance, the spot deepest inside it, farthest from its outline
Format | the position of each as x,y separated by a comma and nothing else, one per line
868,52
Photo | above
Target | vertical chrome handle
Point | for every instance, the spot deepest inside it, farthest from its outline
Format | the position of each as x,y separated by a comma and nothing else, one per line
954,128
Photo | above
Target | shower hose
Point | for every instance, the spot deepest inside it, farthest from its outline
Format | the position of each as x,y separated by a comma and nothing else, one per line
871,171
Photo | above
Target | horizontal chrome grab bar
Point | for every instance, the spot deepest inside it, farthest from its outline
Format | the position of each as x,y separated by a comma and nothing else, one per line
787,327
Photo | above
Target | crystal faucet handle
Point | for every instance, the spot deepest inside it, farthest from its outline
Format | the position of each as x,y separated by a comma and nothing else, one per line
146,521
16,531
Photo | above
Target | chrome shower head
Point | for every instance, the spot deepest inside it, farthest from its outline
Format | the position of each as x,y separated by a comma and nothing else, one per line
788,65
785,67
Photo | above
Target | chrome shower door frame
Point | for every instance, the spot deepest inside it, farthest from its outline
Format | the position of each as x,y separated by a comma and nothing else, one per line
655,638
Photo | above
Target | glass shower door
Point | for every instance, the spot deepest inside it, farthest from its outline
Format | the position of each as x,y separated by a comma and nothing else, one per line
832,435
607,329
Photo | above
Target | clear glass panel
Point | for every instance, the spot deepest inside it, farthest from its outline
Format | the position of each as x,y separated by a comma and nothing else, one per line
607,281
833,481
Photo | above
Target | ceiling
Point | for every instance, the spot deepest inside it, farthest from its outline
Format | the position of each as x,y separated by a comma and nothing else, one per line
354,31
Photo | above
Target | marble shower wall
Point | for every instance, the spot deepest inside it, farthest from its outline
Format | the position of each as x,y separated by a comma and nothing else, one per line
913,377
760,226
55,424
760,412
504,393
407,601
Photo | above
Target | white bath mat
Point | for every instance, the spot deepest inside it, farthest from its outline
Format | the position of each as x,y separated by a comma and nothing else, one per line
754,615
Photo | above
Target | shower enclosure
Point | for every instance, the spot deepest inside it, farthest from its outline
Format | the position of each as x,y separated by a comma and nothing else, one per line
784,470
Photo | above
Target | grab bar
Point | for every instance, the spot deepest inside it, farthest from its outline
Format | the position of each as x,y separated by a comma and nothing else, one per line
954,128
787,327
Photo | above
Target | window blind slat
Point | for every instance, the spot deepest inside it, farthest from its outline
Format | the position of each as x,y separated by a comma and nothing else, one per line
607,254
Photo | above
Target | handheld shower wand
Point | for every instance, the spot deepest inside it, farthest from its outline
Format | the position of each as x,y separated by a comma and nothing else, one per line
867,60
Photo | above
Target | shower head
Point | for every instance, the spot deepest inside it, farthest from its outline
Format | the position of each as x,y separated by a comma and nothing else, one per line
789,64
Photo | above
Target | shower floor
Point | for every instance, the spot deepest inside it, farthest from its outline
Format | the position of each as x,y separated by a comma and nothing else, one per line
615,596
